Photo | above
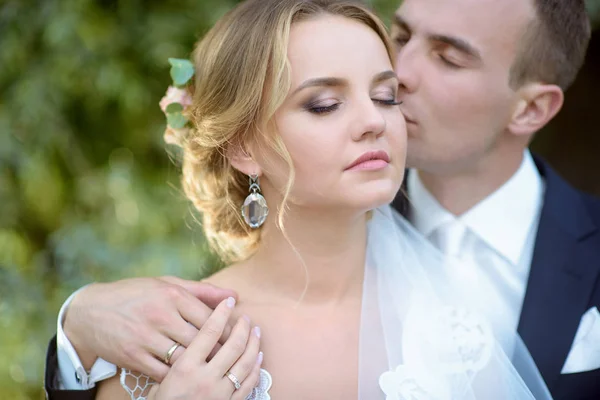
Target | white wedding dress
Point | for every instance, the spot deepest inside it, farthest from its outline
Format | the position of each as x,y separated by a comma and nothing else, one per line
422,335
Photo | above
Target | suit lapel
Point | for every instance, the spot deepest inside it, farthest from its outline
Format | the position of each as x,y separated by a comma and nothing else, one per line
561,279
401,201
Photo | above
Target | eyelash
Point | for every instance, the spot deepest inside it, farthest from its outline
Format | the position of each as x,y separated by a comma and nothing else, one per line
323,110
388,102
328,109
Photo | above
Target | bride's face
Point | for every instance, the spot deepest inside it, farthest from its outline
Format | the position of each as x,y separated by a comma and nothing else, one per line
340,108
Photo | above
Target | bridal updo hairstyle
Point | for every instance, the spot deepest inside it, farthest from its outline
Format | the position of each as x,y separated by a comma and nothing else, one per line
242,76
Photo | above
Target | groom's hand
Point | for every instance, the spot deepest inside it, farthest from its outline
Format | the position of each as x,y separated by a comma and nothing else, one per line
134,322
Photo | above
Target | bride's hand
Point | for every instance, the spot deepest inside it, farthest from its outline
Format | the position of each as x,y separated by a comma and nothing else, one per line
194,375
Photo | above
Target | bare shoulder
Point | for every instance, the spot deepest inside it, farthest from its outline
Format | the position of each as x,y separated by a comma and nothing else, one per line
230,277
251,297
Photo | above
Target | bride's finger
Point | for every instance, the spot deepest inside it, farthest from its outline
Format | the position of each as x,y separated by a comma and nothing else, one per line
232,349
152,392
210,332
196,313
249,383
244,365
214,351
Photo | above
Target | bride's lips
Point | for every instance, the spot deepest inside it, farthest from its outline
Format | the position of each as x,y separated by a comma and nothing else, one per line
370,161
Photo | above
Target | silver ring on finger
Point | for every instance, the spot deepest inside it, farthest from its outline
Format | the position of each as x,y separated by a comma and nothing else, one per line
170,353
234,380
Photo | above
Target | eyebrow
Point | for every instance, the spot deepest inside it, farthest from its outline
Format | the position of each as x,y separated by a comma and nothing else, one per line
458,43
327,82
401,22
336,82
384,76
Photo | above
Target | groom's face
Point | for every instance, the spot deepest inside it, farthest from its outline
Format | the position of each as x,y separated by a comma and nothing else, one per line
453,63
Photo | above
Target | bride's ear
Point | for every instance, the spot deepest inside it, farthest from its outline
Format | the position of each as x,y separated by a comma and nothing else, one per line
242,160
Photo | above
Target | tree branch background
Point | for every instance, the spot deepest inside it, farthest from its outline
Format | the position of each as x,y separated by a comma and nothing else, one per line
88,189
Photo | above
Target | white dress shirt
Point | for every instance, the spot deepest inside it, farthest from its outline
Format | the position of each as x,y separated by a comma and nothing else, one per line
72,375
491,245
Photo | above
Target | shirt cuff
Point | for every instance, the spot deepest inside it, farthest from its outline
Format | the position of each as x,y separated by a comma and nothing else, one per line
71,374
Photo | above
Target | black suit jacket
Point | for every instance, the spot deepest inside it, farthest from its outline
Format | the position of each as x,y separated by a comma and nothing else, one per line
563,284
51,379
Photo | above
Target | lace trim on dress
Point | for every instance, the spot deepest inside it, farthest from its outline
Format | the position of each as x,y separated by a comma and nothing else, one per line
435,362
138,385
261,391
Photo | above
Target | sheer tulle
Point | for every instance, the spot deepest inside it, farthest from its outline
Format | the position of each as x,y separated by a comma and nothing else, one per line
424,335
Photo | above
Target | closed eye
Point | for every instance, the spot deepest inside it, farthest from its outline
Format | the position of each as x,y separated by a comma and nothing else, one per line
449,63
323,109
401,40
320,110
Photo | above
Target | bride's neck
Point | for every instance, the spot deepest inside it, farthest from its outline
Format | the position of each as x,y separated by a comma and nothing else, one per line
317,258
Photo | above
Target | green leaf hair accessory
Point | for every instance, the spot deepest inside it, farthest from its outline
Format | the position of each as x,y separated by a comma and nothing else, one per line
181,71
177,100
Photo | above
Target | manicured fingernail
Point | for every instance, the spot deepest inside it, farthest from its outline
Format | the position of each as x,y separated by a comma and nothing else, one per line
230,302
257,331
259,360
247,318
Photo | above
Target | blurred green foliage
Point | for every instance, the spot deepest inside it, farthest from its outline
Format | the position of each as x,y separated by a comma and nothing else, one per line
87,190
593,7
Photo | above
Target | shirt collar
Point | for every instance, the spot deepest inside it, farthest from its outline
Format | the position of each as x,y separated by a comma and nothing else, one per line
426,213
503,220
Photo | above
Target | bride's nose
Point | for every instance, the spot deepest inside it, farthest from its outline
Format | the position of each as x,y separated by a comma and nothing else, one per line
369,121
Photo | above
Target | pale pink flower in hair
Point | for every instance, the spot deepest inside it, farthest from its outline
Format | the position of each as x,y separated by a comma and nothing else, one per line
176,95
176,136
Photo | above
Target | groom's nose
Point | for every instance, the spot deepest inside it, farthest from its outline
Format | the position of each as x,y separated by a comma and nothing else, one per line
407,69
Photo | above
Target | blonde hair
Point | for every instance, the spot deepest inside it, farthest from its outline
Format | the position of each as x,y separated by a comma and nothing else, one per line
241,78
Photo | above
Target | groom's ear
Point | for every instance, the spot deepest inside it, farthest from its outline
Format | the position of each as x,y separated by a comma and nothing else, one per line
241,159
537,105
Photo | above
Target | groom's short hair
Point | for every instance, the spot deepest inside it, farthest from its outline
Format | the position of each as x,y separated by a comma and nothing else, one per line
554,44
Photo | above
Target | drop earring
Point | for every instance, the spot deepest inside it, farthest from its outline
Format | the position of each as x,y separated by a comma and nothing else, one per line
254,209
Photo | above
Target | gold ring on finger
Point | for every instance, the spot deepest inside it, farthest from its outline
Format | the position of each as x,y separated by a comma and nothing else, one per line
167,358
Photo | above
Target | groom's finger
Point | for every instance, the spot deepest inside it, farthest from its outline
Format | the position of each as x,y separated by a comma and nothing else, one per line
196,313
209,294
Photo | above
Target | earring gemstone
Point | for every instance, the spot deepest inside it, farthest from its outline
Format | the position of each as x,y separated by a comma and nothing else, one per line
255,210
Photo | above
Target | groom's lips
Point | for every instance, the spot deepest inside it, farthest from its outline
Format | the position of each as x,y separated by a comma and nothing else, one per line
409,120
411,125
407,116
